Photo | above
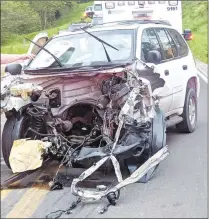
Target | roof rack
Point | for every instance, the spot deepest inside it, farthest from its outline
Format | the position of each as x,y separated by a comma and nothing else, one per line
146,22
130,22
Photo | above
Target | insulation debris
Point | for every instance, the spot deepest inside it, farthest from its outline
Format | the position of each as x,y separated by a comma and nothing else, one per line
27,155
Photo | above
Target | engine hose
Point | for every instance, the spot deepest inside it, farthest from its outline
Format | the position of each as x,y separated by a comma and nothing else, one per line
47,135
87,141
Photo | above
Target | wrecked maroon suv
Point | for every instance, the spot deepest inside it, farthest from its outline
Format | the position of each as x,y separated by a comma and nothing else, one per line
89,96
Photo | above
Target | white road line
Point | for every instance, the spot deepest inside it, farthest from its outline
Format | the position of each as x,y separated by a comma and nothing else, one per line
204,78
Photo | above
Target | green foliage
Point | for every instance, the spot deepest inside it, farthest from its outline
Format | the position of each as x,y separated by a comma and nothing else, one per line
17,18
195,17
15,45
47,11
23,17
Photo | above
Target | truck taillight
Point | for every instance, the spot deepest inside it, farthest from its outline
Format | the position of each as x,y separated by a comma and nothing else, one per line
190,37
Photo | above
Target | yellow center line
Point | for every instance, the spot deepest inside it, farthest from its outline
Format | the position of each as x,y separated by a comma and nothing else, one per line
30,201
5,193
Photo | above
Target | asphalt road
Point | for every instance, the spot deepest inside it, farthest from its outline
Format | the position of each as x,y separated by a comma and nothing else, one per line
178,189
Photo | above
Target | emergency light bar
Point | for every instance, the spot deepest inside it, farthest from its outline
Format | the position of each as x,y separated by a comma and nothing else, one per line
173,3
131,2
121,3
151,2
141,2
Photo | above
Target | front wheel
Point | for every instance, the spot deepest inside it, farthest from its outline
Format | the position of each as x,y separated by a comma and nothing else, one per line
189,115
14,129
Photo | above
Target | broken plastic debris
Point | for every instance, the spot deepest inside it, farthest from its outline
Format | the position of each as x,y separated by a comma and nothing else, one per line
27,155
55,185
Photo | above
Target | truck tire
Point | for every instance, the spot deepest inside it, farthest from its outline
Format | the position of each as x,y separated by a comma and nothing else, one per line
189,115
13,130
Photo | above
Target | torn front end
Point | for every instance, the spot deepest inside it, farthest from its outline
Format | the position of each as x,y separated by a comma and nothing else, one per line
108,116
133,131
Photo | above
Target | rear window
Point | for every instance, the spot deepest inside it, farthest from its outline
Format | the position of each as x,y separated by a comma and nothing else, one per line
180,43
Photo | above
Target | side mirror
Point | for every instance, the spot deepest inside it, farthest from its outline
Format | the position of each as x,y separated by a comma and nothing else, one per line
14,69
154,56
188,34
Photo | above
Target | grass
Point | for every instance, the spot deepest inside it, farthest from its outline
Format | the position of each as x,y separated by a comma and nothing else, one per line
195,18
17,45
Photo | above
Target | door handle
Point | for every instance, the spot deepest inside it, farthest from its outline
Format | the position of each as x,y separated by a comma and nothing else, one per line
184,67
166,72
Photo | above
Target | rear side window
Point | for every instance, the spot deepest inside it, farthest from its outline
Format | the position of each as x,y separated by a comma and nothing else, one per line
180,43
173,45
149,42
169,48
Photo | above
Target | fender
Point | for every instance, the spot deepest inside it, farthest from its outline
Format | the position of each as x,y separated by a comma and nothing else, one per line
17,113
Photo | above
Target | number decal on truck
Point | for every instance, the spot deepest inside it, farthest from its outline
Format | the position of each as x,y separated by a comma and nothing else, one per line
172,8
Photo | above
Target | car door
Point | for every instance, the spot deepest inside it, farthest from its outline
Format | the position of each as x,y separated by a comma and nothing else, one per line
175,64
150,41
185,65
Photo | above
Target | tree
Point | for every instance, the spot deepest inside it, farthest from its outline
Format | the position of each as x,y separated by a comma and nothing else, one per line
47,11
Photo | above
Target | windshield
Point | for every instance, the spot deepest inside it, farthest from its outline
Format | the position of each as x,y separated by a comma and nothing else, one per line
84,50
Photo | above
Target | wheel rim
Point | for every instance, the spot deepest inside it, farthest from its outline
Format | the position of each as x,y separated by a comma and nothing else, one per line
192,111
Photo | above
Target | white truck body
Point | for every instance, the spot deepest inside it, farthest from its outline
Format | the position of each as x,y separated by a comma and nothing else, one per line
111,11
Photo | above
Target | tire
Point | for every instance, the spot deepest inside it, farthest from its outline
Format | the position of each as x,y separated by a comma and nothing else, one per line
158,132
189,115
13,130
7,139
